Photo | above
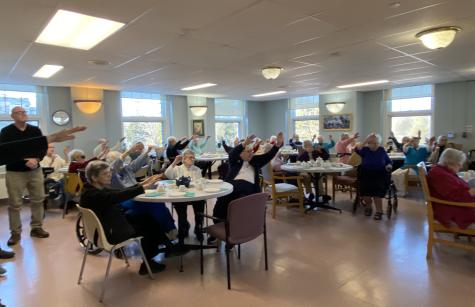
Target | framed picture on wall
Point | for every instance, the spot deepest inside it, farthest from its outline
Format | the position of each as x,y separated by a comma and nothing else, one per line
198,127
340,122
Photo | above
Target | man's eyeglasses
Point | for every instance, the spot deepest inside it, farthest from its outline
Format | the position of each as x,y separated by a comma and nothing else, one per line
82,157
20,112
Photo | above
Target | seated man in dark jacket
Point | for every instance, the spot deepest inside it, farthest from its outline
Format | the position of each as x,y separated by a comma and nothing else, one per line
243,173
118,226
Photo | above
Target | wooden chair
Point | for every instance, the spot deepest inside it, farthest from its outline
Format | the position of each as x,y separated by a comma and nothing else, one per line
434,226
72,187
411,180
344,183
281,192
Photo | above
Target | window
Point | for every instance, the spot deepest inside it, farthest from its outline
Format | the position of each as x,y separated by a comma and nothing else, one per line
12,96
305,116
142,118
410,111
228,119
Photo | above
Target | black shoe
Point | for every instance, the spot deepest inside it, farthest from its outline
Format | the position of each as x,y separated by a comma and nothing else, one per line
177,250
6,255
326,198
155,267
211,240
39,233
14,239
310,197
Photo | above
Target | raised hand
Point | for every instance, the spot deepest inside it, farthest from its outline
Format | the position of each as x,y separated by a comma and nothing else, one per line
149,182
356,135
249,139
280,139
178,159
64,135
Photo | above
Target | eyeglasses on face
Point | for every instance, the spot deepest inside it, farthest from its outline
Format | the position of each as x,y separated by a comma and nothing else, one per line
20,112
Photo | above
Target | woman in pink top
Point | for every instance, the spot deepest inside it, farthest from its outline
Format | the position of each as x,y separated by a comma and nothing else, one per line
343,147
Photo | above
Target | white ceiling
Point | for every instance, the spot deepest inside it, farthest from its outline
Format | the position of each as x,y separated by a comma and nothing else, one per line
170,44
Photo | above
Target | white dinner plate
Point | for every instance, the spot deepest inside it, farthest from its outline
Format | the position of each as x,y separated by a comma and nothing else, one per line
212,190
215,181
176,194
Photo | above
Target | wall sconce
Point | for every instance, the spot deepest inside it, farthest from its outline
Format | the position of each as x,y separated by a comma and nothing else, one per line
88,106
198,110
335,107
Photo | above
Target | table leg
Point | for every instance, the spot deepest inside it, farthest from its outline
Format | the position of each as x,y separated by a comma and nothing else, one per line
317,203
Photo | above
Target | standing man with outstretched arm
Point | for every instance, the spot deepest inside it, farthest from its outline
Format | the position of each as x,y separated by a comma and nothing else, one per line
23,174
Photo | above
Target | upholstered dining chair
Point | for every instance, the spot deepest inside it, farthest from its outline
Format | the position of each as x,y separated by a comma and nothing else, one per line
282,192
93,229
436,227
245,222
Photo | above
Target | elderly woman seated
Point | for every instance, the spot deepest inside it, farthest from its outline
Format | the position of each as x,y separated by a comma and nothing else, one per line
79,162
187,169
311,154
446,185
197,146
439,147
374,174
119,226
123,176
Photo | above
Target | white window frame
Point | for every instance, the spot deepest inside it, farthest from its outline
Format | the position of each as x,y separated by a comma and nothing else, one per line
390,114
240,120
147,119
37,117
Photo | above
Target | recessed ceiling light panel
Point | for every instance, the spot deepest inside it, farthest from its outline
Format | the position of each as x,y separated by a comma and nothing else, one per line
198,86
75,30
269,94
46,71
363,84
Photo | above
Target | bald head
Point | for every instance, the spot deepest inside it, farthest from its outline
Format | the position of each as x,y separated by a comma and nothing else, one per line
19,115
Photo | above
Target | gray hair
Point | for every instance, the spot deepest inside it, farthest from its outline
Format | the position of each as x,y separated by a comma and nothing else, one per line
188,152
442,137
112,156
344,135
379,139
452,156
73,153
94,168
171,138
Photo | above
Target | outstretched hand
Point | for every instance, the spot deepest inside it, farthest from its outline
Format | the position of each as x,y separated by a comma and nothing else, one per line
249,139
64,135
148,183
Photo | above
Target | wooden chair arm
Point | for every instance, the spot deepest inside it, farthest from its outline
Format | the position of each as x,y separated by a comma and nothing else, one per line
451,203
287,177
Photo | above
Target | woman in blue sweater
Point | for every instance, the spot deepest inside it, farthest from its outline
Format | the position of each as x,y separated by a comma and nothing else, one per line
374,174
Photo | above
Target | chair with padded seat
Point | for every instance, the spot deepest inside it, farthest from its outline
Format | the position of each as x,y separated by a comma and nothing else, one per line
281,192
95,233
345,183
72,188
436,227
245,222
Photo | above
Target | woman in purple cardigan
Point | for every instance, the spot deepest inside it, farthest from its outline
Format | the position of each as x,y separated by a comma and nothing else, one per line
374,175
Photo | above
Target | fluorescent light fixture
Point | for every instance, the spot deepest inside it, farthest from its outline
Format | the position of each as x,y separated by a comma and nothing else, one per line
363,84
195,87
75,30
269,94
46,71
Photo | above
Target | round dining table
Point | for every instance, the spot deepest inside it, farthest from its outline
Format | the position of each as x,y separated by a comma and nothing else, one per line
316,172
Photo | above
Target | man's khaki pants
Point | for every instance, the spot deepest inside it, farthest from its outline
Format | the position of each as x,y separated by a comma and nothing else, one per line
17,182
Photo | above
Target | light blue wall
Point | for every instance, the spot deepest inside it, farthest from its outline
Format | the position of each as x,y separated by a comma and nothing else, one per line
256,117
275,118
372,117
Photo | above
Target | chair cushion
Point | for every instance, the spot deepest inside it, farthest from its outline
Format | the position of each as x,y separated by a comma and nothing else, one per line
217,230
283,187
346,180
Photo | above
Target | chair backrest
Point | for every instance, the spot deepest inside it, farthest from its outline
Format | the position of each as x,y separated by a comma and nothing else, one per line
72,183
93,228
267,172
246,218
421,166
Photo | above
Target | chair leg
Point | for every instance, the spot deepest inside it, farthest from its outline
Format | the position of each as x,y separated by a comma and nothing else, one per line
274,205
333,189
265,248
103,292
83,262
145,260
239,251
302,209
429,246
201,257
125,257
228,268
66,200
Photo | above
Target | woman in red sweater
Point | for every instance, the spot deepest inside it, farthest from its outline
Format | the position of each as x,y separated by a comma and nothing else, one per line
444,183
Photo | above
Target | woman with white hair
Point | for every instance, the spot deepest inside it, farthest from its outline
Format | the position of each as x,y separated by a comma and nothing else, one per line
445,184
374,174
438,149
123,176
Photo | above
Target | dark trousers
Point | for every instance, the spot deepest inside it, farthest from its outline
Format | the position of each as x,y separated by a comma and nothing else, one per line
147,227
183,225
204,166
241,188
